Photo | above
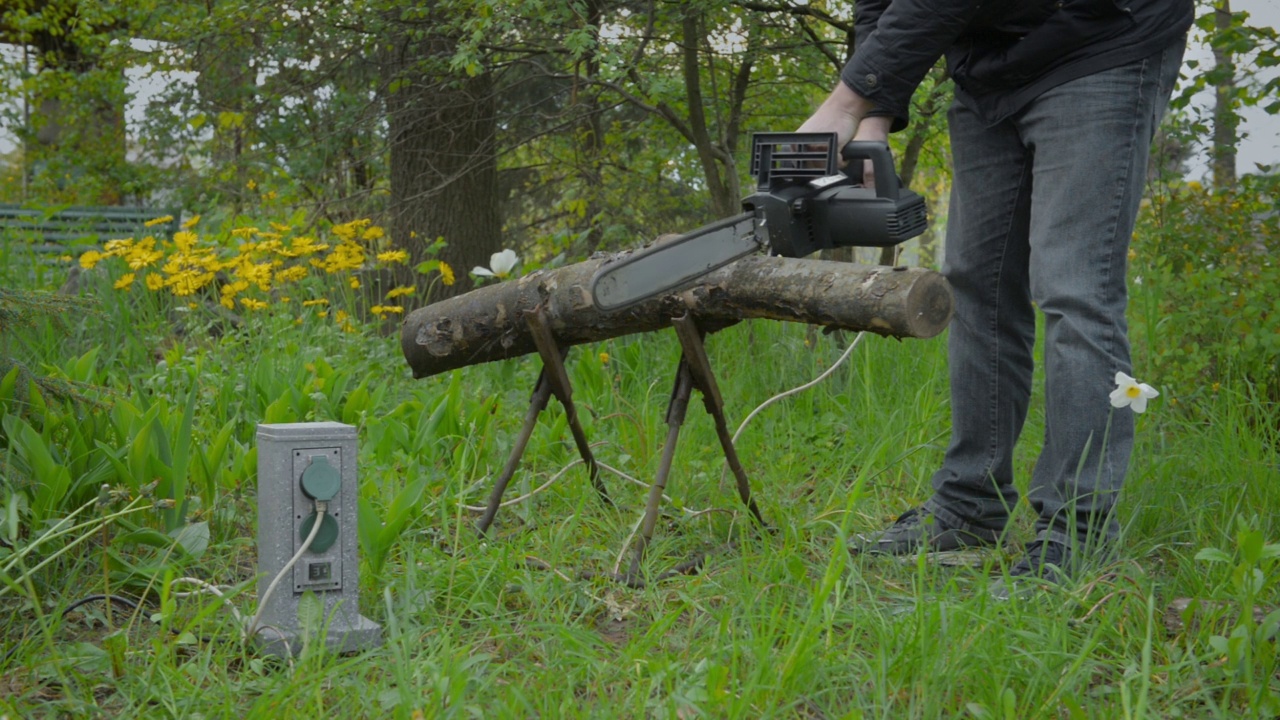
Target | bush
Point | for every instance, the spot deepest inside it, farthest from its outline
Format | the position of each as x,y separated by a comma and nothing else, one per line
1204,278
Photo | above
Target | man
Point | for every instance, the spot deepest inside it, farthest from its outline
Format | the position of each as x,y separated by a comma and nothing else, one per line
1056,105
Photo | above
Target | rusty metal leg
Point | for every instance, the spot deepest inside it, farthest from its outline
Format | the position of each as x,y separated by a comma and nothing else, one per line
553,368
541,394
695,354
677,407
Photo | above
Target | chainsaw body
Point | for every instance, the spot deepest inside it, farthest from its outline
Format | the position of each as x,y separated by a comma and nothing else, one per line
803,203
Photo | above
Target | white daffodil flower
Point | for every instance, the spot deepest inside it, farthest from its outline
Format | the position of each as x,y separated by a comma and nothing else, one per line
1131,394
500,264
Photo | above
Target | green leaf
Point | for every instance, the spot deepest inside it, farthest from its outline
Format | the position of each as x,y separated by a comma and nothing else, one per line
369,529
149,537
357,403
50,479
8,386
192,538
1213,555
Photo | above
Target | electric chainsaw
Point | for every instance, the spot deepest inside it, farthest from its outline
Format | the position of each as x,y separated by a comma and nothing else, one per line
803,203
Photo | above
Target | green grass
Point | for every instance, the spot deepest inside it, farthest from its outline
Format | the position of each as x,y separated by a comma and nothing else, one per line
783,623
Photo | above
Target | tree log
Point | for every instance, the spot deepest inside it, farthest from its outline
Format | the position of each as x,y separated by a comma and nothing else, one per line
488,323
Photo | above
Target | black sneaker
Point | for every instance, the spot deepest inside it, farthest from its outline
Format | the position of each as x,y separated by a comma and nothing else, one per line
1045,563
918,528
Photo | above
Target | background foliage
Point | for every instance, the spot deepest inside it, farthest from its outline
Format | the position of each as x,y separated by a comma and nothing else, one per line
338,163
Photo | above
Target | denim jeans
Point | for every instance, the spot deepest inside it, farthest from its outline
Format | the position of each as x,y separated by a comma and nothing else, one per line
1043,206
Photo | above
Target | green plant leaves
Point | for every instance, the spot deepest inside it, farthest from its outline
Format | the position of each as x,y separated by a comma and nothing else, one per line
380,530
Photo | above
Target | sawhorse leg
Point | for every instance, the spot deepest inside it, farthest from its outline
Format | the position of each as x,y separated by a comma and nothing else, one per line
694,371
553,380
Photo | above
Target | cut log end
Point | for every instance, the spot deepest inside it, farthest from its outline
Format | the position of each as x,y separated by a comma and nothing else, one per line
931,301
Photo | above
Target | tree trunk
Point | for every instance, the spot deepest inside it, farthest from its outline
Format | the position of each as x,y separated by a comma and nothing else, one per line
78,126
444,168
1225,118
590,131
725,200
488,324
226,85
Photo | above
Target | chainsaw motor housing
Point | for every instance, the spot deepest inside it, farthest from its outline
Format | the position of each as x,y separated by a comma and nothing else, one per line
804,203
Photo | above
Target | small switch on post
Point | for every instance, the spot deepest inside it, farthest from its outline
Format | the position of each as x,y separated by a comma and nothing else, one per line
319,572
321,481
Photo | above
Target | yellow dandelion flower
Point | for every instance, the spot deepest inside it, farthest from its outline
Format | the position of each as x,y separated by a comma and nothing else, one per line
143,255
393,256
305,245
348,231
446,273
340,316
281,228
251,304
90,258
255,273
346,256
154,281
244,232
228,303
251,185
159,221
125,281
185,240
373,233
604,358
191,222
291,274
384,310
187,282
65,258
235,287
399,291
354,283
269,195
119,246
313,303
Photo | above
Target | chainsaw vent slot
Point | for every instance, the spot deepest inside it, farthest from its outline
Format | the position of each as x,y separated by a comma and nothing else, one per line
908,221
782,158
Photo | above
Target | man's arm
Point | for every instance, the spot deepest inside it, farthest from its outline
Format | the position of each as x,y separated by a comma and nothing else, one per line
908,38
896,43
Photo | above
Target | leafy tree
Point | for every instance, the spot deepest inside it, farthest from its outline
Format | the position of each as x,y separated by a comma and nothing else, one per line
1242,54
66,96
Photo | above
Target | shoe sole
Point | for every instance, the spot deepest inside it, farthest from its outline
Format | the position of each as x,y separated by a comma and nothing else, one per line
966,557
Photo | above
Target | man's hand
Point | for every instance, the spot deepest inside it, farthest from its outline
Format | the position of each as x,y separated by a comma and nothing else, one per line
877,129
840,113
844,113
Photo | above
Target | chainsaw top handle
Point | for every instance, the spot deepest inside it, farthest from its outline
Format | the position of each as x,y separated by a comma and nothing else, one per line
881,160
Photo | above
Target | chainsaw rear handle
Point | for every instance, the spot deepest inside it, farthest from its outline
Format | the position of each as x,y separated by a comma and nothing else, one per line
881,160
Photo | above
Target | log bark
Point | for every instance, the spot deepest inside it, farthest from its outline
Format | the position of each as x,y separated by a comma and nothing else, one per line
488,323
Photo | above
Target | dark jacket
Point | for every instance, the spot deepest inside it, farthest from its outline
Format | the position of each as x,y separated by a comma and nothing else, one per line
1001,53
